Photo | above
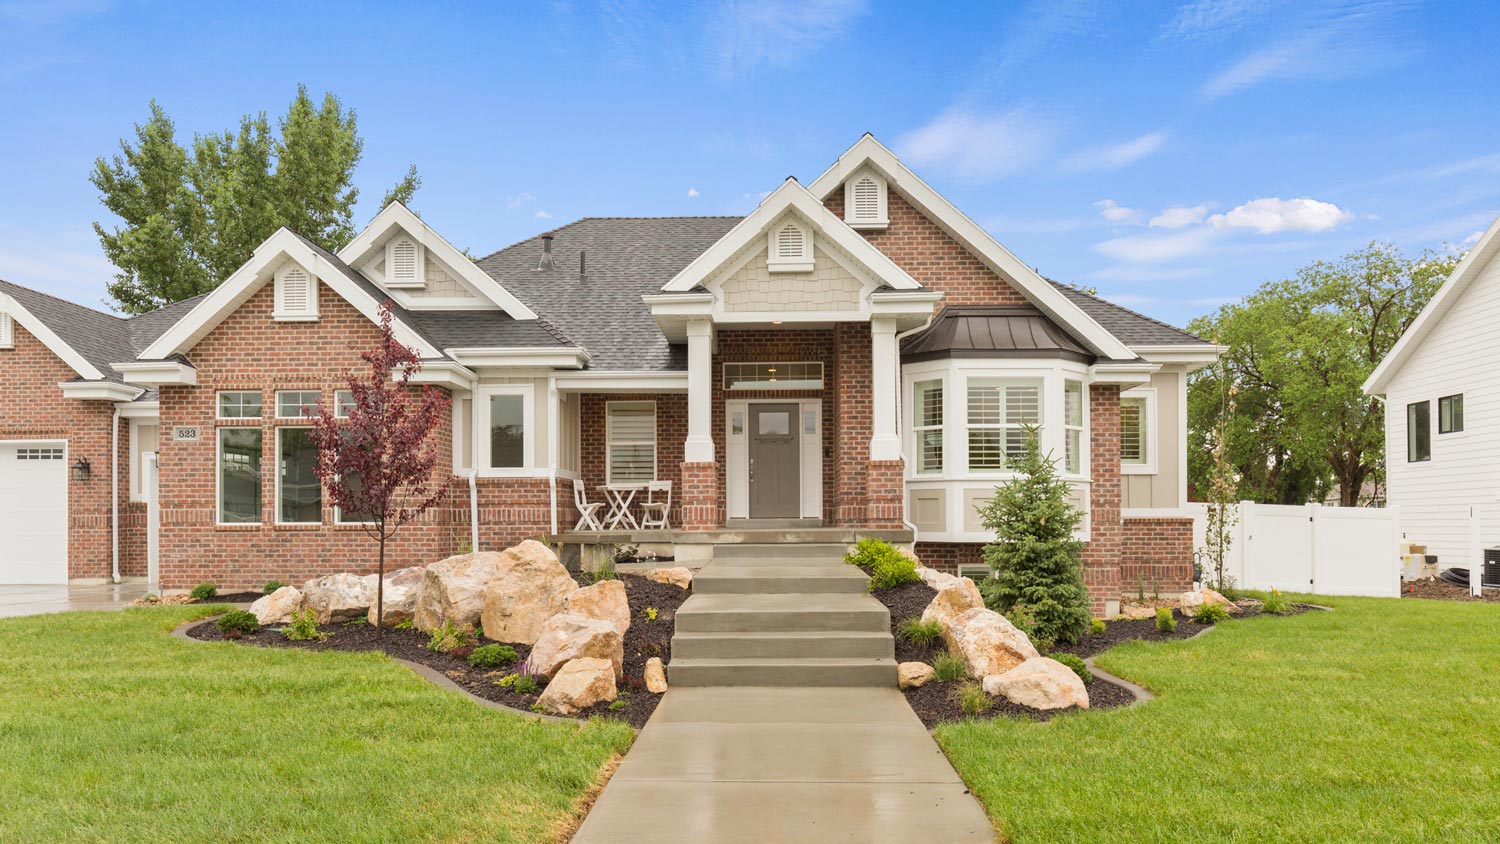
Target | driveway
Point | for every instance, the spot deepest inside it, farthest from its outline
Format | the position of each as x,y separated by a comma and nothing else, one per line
36,600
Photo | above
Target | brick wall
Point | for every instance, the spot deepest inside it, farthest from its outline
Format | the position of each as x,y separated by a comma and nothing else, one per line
1156,554
700,496
948,556
1101,556
671,433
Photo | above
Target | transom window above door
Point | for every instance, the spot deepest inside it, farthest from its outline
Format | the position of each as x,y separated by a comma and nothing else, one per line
782,375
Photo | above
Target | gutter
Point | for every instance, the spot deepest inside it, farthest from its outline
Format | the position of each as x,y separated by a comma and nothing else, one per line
473,512
554,441
906,499
114,496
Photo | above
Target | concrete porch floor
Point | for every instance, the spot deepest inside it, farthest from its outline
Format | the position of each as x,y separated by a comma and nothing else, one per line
36,600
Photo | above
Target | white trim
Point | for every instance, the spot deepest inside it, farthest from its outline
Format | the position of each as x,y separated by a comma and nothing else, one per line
1150,424
441,373
623,381
868,152
882,216
219,407
1126,373
1437,307
737,457
276,404
139,410
804,261
48,338
276,470
7,331
609,442
137,455
420,259
219,474
100,391
155,373
397,215
537,356
280,312
1196,357
480,430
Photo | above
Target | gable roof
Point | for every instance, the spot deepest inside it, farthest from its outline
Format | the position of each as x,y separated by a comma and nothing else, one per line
1441,303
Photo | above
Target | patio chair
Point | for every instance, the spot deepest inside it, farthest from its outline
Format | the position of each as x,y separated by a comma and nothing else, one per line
653,511
588,511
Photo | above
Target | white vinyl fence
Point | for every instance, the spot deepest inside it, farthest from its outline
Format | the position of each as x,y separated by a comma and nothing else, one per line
1311,548
1484,532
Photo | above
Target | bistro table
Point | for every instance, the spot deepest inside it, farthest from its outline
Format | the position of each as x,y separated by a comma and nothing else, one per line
620,497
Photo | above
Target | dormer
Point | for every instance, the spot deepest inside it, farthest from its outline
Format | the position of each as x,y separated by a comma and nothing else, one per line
405,265
790,247
865,200
296,294
7,331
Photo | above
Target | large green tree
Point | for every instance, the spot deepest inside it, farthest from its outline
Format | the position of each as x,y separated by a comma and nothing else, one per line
1299,349
191,216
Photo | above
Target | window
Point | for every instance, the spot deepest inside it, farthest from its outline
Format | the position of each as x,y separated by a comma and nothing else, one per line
296,404
1419,432
502,426
865,201
1137,429
239,404
342,401
630,432
239,476
299,494
999,413
1073,427
927,418
790,248
296,295
1451,414
351,518
781,375
403,263
7,331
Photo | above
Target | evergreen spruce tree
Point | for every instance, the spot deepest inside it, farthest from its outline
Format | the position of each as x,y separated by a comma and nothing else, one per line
1035,557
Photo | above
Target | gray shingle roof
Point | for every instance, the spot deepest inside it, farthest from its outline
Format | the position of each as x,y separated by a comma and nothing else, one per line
1132,329
627,257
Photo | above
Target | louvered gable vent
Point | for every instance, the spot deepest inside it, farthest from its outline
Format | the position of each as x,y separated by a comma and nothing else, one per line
296,294
791,248
7,331
865,200
403,263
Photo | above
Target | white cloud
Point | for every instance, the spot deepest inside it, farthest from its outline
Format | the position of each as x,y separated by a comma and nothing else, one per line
1034,30
1151,248
1117,213
1210,19
1117,155
1179,216
515,201
979,146
1271,215
1120,272
543,215
1471,239
692,192
775,33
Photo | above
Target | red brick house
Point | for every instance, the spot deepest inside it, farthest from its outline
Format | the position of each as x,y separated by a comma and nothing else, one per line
854,354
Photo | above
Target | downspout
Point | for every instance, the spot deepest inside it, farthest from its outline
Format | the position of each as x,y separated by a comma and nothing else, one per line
905,458
473,512
114,496
554,437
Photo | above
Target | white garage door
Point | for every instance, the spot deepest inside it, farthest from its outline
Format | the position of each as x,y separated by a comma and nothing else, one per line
33,512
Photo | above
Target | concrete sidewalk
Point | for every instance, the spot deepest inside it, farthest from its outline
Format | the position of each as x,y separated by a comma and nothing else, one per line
36,600
751,765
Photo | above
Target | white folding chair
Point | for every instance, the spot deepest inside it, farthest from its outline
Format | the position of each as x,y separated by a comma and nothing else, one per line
654,512
588,512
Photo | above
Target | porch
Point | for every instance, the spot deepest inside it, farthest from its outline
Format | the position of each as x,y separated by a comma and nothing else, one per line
588,549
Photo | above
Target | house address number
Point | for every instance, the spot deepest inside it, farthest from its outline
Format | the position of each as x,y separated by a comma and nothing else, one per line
185,434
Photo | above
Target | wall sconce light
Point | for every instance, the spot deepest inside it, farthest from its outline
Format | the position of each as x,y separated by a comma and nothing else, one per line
81,469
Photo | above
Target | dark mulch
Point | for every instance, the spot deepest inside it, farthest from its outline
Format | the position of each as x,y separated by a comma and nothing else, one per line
235,598
934,704
644,640
1120,631
905,602
1444,591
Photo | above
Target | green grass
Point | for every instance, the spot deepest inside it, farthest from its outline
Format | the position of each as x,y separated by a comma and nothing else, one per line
1378,722
112,731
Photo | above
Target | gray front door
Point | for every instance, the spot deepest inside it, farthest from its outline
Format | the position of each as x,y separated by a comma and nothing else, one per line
775,462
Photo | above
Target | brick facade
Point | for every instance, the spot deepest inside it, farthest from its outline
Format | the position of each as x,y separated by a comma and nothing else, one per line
1156,555
1101,556
671,433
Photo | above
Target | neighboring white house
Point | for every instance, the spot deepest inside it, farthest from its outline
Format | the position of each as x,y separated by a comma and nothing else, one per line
1441,386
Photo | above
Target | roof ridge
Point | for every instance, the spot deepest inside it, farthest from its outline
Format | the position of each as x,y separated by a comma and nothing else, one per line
1068,287
556,229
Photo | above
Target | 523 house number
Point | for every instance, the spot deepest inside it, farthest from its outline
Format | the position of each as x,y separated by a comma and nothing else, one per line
185,434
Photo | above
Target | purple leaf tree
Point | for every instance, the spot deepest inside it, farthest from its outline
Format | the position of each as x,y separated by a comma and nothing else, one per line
375,454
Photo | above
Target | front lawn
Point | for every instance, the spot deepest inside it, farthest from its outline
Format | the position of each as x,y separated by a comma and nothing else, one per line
112,731
1377,722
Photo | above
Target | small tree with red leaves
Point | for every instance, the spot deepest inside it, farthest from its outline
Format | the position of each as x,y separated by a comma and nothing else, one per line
377,460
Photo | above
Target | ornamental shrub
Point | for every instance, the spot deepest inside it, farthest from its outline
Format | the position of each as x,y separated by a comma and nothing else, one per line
1164,620
237,623
1097,626
885,564
303,627
450,637
204,591
948,667
1276,603
272,586
1075,663
971,698
1210,614
492,656
919,632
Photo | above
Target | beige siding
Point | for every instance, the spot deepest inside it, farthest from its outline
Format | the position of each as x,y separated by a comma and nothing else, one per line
929,509
1164,487
569,443
442,283
829,287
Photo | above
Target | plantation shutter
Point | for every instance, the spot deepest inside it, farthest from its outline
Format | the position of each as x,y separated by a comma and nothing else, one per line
1023,407
1133,430
631,434
999,413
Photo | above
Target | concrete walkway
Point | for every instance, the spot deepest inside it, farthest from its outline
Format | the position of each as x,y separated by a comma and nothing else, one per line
749,765
36,600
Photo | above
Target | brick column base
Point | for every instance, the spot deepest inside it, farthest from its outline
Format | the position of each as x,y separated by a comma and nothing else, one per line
700,496
883,479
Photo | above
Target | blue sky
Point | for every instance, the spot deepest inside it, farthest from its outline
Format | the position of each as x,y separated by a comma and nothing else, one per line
1175,155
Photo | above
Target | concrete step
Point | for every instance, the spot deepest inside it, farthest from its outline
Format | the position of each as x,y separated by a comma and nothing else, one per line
805,671
782,614
780,551
722,579
782,645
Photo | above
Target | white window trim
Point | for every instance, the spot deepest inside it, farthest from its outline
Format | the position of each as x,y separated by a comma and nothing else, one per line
917,429
481,431
7,331
609,468
309,315
1153,442
390,254
219,474
786,265
137,456
1083,437
1047,445
277,469
338,409
314,407
219,404
883,218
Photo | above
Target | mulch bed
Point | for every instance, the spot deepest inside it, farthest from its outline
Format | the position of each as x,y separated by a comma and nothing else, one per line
235,598
643,640
1444,591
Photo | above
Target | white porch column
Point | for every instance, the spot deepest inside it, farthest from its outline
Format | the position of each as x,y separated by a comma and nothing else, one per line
699,447
885,359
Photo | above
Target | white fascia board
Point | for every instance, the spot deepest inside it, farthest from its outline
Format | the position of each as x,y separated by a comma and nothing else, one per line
534,356
904,302
399,216
139,409
624,382
100,391
255,273
155,373
1437,307
49,338
1128,373
790,196
680,304
1000,260
442,373
1192,358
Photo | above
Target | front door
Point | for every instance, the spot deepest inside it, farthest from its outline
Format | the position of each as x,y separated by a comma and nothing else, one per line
775,462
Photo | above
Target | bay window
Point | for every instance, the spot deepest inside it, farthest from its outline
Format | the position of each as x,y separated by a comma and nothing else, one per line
927,419
1000,412
630,448
239,476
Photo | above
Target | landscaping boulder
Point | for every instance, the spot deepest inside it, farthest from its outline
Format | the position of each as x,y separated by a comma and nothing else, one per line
529,589
278,606
1040,683
953,601
400,595
604,600
1194,599
936,580
656,676
453,590
340,597
987,642
677,576
913,675
1136,612
579,684
567,637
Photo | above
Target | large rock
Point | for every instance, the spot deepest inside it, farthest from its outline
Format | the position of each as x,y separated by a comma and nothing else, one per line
453,590
656,676
677,576
1196,598
278,606
579,684
1039,683
604,600
913,675
567,637
530,588
340,597
953,601
987,642
400,595
936,580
